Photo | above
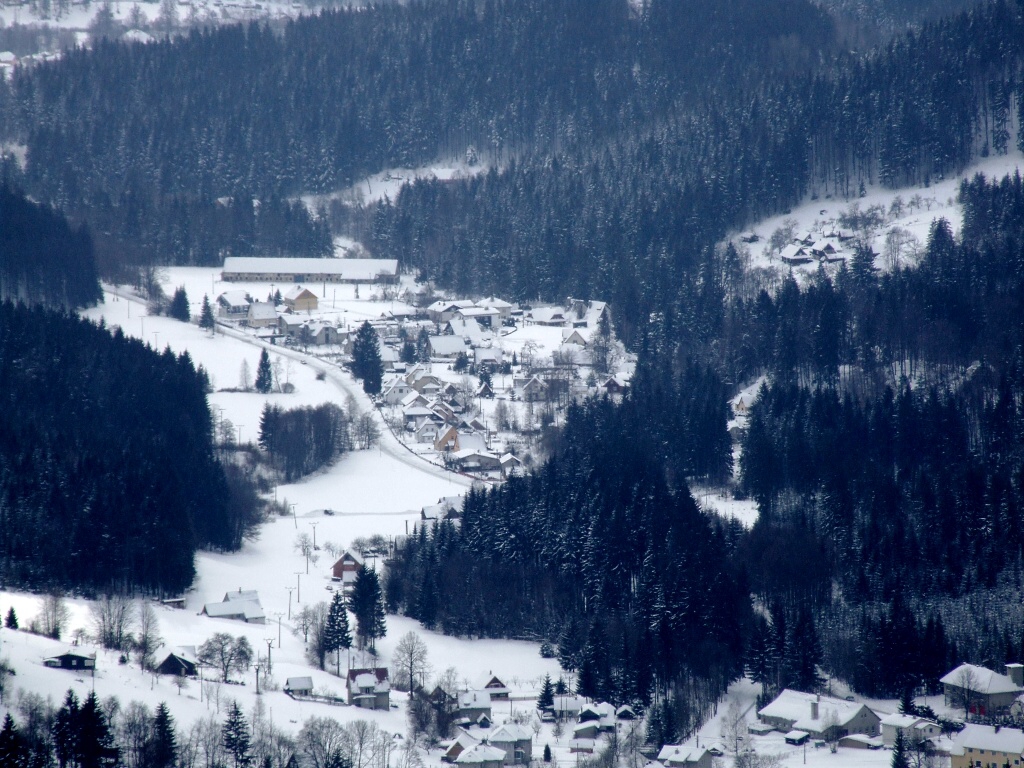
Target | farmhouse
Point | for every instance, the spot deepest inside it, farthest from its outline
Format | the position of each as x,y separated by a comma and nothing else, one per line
233,304
369,688
473,704
72,660
299,686
300,299
458,745
815,715
346,568
986,746
515,741
482,755
261,315
673,756
179,662
914,729
284,270
982,691
238,606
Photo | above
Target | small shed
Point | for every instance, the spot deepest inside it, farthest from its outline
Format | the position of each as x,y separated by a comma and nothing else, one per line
796,738
302,686
72,660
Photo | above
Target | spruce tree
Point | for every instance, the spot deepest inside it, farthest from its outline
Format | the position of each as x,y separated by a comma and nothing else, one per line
11,622
546,699
206,318
367,604
163,748
236,738
14,749
366,361
899,752
264,374
96,747
178,308
338,636
65,729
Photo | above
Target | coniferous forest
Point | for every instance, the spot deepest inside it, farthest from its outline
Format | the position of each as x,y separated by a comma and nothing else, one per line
623,143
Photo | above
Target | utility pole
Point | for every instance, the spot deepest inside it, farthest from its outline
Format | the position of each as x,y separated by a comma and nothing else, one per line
278,614
256,666
270,642
289,610
298,587
314,525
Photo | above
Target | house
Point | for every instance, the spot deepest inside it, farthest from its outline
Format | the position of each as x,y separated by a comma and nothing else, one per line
416,415
472,704
982,691
549,316
676,756
795,254
483,316
442,311
261,315
233,305
458,745
575,336
503,308
428,431
178,662
346,567
914,729
510,465
566,706
447,506
488,357
394,390
530,389
796,738
860,741
815,714
369,688
72,660
447,440
515,740
614,385
986,746
625,712
300,299
483,756
494,686
442,700
412,398
590,729
243,605
299,686
256,269
475,460
823,249
446,347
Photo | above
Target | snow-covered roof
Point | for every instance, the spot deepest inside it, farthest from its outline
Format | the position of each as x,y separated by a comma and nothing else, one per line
898,720
547,314
674,753
298,292
243,595
474,699
796,707
981,680
589,726
246,610
477,312
1008,740
234,299
568,703
345,269
494,303
509,732
443,346
262,310
481,753
298,684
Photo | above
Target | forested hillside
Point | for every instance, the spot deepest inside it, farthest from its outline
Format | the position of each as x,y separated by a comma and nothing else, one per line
108,478
43,260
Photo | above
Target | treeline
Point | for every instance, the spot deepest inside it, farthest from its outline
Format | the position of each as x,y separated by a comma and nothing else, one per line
245,112
108,477
300,441
595,551
602,220
43,260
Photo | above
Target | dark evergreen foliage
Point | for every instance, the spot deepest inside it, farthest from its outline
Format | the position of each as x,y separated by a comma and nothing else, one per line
108,480
178,308
367,605
43,260
366,359
300,441
11,620
264,374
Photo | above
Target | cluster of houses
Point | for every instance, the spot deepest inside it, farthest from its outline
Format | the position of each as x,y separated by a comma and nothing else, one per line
821,247
291,321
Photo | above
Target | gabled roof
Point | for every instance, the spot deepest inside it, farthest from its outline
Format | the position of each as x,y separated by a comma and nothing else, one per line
481,753
1009,740
474,699
795,707
261,310
674,753
246,610
509,732
242,595
298,684
298,292
898,720
447,345
982,680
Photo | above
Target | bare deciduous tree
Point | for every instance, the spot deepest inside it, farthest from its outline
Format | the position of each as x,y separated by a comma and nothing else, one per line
410,662
148,639
113,621
54,616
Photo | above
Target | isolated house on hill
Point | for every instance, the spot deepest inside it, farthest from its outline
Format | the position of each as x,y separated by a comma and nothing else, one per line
72,660
178,663
369,688
243,605
981,690
299,686
817,715
346,567
675,756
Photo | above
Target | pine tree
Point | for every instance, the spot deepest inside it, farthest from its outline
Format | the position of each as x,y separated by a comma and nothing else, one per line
264,374
163,748
65,730
366,360
899,752
236,738
367,604
11,622
206,319
95,748
547,753
178,308
338,637
546,699
14,750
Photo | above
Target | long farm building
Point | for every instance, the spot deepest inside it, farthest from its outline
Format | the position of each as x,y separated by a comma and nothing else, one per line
254,269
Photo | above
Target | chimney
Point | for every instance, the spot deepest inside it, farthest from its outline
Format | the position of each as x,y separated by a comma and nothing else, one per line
1016,673
814,710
